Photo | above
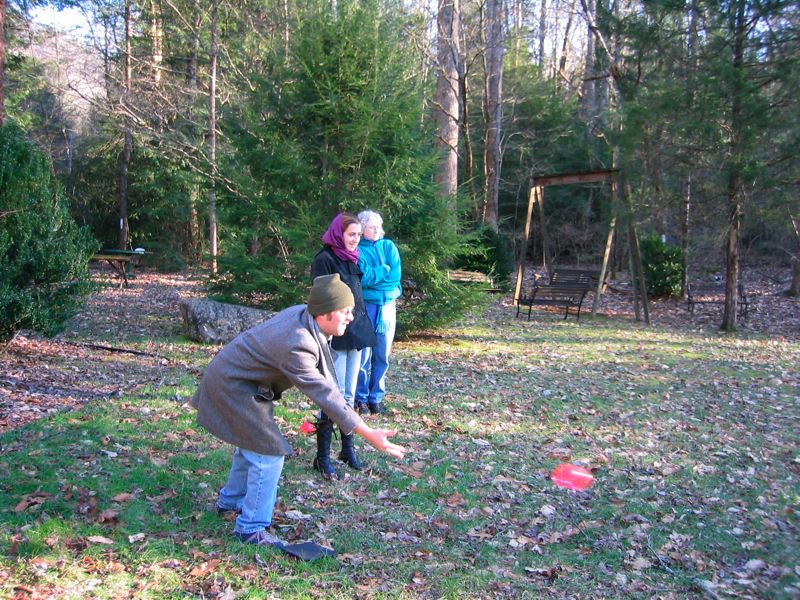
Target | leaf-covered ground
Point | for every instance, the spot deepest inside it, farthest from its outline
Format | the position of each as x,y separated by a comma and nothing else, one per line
692,437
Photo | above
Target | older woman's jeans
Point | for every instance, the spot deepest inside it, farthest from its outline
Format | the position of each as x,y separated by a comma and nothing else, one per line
347,364
375,361
252,488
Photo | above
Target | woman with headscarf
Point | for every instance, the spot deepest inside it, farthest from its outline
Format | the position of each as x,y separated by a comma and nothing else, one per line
340,255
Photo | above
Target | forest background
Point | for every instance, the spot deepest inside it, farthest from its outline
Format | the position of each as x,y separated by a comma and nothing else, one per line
229,133
226,135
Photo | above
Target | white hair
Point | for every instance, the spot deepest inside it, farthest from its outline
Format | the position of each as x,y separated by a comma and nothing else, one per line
369,217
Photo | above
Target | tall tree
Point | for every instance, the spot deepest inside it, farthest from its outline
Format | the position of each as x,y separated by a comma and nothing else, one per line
794,286
447,96
336,127
127,131
212,135
493,109
2,60
736,162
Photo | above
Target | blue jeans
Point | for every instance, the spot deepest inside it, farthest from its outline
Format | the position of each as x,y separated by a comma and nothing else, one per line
375,361
252,488
347,363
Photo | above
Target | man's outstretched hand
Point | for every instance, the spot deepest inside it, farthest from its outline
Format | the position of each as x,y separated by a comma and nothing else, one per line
379,438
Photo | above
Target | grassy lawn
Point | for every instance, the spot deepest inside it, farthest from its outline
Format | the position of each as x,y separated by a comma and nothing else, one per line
693,438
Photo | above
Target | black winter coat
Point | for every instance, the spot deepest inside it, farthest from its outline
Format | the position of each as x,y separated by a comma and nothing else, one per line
360,332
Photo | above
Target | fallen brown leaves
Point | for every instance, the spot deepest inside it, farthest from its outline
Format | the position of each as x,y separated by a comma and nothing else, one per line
772,311
471,397
39,377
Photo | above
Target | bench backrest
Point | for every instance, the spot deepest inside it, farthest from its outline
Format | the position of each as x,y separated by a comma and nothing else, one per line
585,277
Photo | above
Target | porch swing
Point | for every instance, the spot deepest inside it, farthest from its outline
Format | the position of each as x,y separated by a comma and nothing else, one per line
567,287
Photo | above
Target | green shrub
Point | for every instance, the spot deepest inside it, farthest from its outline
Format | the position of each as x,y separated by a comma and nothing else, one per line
435,302
663,267
314,139
43,253
165,256
487,251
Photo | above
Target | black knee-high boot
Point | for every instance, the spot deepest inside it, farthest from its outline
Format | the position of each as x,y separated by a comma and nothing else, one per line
322,462
348,453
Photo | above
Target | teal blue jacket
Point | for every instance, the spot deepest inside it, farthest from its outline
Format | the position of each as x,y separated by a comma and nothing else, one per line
380,263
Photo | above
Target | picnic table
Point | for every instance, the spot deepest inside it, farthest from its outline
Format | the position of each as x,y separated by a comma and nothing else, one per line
120,261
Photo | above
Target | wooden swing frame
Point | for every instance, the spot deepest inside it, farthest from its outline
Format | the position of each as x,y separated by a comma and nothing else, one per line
536,199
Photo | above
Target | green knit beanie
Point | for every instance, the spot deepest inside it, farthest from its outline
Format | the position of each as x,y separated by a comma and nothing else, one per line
329,293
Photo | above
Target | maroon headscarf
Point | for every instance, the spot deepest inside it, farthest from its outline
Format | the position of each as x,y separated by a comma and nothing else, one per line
333,237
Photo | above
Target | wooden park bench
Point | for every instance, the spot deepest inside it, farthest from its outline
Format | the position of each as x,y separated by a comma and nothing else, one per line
566,288
473,277
701,295
120,261
411,290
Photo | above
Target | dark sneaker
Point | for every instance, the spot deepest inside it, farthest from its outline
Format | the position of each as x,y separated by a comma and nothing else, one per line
377,409
227,513
361,407
259,538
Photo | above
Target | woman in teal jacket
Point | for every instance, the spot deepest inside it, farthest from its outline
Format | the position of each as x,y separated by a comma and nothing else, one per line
380,262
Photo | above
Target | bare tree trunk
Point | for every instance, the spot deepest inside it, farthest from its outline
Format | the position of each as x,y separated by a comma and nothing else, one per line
447,89
562,61
127,144
686,186
735,176
212,138
194,45
157,39
636,256
588,91
2,60
286,38
653,165
108,80
494,108
794,288
193,229
542,31
517,18
469,159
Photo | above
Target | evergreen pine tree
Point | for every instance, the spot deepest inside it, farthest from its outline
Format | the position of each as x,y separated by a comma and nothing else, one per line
43,253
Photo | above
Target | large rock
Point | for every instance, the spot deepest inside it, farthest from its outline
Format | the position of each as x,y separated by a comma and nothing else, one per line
218,323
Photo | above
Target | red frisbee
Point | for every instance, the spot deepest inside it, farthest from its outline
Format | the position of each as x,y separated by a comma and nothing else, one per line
572,477
307,428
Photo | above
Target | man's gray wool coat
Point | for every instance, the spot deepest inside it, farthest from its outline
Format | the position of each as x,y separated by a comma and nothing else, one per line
235,398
